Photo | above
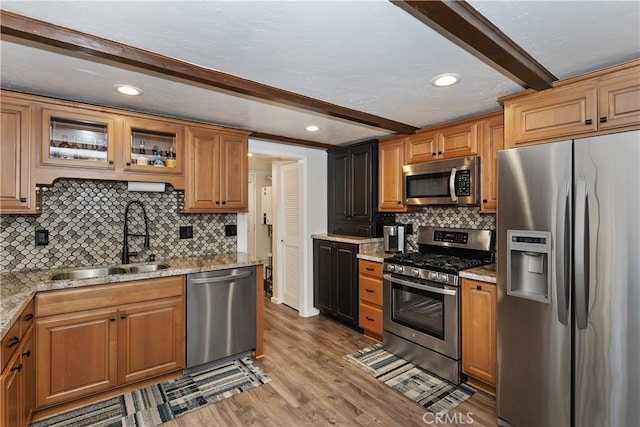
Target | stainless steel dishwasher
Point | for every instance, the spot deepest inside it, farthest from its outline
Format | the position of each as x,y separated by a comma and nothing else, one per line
221,315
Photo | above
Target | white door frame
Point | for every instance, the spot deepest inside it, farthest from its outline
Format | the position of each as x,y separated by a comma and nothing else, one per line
314,196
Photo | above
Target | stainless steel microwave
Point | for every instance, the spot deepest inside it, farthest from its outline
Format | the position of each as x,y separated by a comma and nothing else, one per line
443,182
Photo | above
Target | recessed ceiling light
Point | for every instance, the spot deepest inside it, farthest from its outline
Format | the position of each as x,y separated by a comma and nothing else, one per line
128,90
444,80
312,128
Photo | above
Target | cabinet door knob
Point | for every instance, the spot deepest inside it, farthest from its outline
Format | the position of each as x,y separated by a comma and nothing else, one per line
433,154
113,319
224,203
17,368
27,353
484,200
603,119
369,268
13,341
217,202
439,153
123,316
369,290
399,202
587,122
128,163
23,200
369,318
111,162
28,317
478,287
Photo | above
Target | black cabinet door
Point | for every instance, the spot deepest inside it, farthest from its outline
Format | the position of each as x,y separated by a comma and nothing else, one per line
335,280
339,200
361,185
323,276
346,283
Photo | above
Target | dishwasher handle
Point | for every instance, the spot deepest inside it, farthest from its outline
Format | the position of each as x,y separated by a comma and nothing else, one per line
221,278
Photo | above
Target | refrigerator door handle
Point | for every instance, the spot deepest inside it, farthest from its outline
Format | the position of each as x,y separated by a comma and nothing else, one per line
452,185
582,254
563,228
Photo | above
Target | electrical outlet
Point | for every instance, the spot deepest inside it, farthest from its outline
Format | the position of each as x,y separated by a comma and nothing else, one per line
186,232
230,230
42,237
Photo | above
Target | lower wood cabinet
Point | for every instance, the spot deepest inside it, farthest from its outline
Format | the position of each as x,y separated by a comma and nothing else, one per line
479,333
335,282
370,292
134,331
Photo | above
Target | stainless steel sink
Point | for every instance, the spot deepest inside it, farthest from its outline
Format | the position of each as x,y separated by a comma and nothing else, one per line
89,273
147,268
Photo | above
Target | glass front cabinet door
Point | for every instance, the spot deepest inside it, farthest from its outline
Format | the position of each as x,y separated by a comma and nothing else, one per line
77,139
153,146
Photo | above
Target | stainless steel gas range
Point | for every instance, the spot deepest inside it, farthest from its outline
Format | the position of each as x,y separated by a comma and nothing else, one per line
421,303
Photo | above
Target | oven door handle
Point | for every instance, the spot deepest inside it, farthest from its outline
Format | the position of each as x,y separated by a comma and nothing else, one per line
433,289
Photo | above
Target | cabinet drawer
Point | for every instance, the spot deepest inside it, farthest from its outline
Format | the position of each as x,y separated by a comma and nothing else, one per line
370,290
92,297
371,319
370,268
9,344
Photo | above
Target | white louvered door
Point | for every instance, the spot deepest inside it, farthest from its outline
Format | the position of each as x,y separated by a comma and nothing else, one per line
291,245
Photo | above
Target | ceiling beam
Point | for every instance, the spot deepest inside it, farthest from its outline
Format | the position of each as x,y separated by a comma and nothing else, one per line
291,141
73,41
459,22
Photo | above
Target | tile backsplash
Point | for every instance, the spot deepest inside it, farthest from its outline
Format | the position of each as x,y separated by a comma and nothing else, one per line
446,216
85,220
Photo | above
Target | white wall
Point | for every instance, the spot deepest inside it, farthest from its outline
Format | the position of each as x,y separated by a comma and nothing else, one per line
263,247
314,181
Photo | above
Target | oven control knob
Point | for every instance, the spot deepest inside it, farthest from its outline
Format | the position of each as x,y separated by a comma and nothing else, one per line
433,275
415,272
391,267
442,277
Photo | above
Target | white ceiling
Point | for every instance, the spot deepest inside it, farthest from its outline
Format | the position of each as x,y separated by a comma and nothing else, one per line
369,56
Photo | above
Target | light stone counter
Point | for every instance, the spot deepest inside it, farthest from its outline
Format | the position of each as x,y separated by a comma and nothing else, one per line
368,245
17,289
375,256
486,273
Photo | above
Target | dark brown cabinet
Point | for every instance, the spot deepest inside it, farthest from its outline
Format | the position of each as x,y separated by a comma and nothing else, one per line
353,189
335,280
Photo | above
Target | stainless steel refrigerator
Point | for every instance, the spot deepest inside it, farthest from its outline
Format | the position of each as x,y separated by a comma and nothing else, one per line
569,283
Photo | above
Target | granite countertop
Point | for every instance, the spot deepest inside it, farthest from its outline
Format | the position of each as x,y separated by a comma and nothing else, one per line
485,273
375,256
17,289
347,239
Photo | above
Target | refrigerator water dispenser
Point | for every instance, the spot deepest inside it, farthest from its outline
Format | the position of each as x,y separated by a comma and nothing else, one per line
528,269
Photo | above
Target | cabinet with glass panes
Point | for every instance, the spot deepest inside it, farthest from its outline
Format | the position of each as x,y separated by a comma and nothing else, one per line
77,139
153,146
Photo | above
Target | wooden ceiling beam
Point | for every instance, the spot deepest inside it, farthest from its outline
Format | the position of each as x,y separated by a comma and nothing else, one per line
73,41
459,22
291,141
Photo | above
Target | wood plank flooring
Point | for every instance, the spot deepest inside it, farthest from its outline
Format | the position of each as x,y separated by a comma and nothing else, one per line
313,385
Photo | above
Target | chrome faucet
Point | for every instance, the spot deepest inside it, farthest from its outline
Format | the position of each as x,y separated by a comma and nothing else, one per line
125,248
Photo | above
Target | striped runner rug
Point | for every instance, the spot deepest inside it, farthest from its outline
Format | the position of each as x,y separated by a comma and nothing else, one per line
433,393
160,403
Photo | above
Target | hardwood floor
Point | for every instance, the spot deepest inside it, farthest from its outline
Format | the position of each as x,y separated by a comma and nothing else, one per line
312,384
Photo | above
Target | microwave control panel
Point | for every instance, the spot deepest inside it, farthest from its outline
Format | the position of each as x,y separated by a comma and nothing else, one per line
463,183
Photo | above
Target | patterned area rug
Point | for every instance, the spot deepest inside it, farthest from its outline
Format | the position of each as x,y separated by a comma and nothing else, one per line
157,404
433,393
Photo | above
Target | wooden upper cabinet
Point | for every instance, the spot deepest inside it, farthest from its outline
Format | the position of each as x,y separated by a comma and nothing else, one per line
153,146
600,102
619,99
558,112
390,178
72,137
491,141
443,142
421,147
459,141
217,172
17,187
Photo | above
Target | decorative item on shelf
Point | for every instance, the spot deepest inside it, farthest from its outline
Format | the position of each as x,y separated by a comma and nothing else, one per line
52,150
171,158
142,160
158,160
64,144
155,150
141,149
